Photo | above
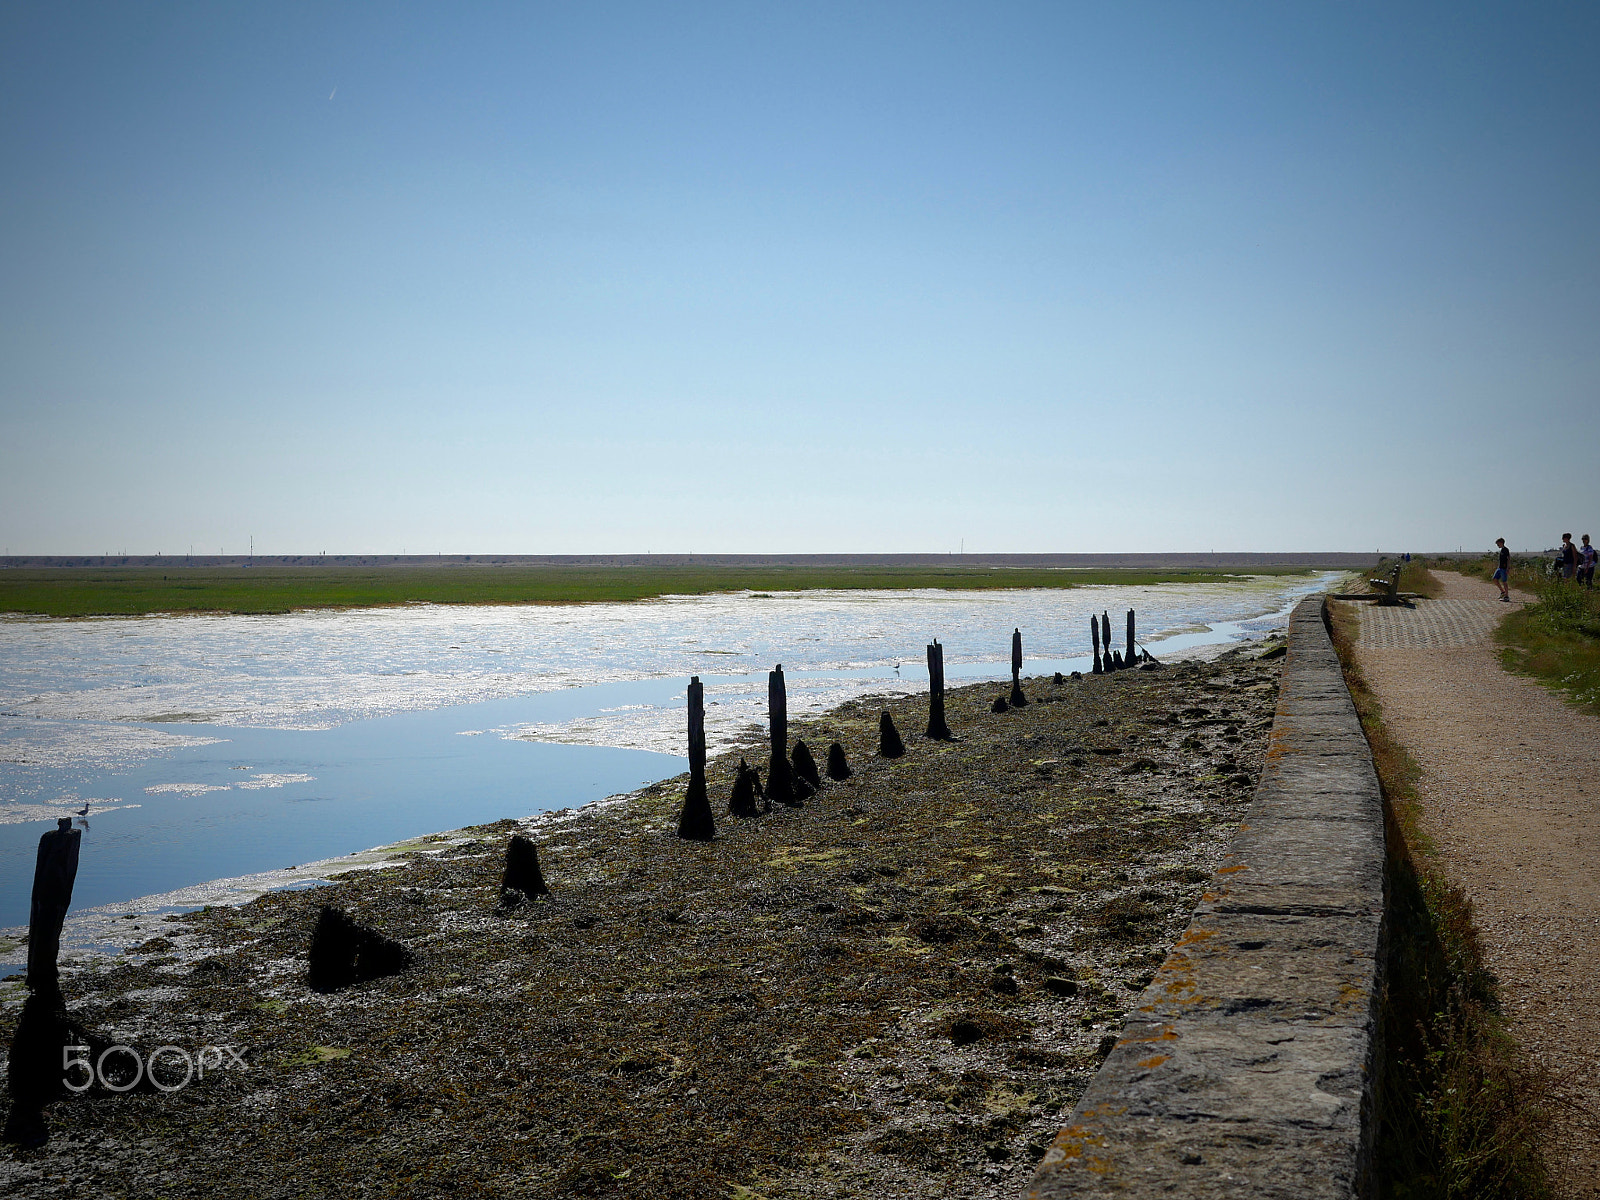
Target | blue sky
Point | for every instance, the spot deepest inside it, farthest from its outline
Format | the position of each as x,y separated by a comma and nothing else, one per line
759,277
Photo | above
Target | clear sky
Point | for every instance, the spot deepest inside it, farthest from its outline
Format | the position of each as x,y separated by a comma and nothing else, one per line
594,277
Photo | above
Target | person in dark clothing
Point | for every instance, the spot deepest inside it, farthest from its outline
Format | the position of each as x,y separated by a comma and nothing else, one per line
1502,573
1569,557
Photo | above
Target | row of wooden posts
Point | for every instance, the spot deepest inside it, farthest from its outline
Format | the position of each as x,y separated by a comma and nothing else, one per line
792,780
343,952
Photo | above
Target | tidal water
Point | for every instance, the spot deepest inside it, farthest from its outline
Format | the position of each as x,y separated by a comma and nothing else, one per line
209,747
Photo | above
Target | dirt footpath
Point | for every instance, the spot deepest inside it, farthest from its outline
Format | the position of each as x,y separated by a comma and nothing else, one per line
1510,798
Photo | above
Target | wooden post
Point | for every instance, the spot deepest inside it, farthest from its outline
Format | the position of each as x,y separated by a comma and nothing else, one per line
779,774
937,729
1131,656
1094,632
522,873
54,872
889,743
1105,640
695,823
1017,698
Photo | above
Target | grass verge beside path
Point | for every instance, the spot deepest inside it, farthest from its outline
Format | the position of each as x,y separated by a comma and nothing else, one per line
1459,1107
136,591
1556,639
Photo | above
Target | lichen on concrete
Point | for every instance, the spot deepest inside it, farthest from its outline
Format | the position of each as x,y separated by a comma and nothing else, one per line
1246,1067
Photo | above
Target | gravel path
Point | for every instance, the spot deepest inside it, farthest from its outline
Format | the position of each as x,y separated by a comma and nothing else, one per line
1509,797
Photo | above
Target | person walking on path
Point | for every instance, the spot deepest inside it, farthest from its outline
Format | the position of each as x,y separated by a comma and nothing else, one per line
1502,572
1586,557
1569,557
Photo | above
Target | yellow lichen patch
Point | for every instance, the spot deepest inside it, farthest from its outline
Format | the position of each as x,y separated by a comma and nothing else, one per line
907,945
1231,870
1193,936
1167,1034
1350,994
791,857
1154,1061
1002,1100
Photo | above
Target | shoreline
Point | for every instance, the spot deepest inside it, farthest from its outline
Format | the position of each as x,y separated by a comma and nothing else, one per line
100,928
934,884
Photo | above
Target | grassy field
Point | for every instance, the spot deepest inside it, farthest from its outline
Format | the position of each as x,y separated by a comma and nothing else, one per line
131,591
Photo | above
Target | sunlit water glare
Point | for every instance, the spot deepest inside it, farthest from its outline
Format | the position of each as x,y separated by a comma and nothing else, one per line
210,746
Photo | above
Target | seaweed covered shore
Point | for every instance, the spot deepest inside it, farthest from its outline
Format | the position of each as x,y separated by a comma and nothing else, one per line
893,990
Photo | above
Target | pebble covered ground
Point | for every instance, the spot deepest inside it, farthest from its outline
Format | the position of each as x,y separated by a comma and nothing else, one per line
896,989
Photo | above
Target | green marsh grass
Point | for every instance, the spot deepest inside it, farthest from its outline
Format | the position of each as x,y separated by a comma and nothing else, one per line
132,591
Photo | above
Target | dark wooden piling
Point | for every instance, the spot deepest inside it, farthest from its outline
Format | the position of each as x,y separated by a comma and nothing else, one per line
55,870
1018,700
696,823
745,799
937,729
522,873
805,766
1105,640
1131,656
44,1028
838,767
780,776
1094,634
889,743
343,952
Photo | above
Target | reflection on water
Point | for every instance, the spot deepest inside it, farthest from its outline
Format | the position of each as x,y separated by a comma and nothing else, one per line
207,746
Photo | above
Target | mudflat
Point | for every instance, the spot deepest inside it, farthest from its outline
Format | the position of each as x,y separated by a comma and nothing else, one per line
896,989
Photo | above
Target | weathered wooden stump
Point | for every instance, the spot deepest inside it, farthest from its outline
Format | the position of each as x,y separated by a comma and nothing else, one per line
838,768
999,705
1132,655
1094,632
889,743
343,952
696,823
745,799
937,729
522,874
34,1075
55,870
1105,640
780,777
805,767
1018,700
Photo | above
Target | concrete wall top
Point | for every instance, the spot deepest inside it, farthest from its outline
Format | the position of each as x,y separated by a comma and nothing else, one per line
1247,1067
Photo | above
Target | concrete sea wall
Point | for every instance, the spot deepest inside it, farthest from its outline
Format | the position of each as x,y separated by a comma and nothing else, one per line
1247,1069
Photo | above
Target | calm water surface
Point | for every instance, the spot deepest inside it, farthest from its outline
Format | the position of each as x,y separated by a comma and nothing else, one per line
215,746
